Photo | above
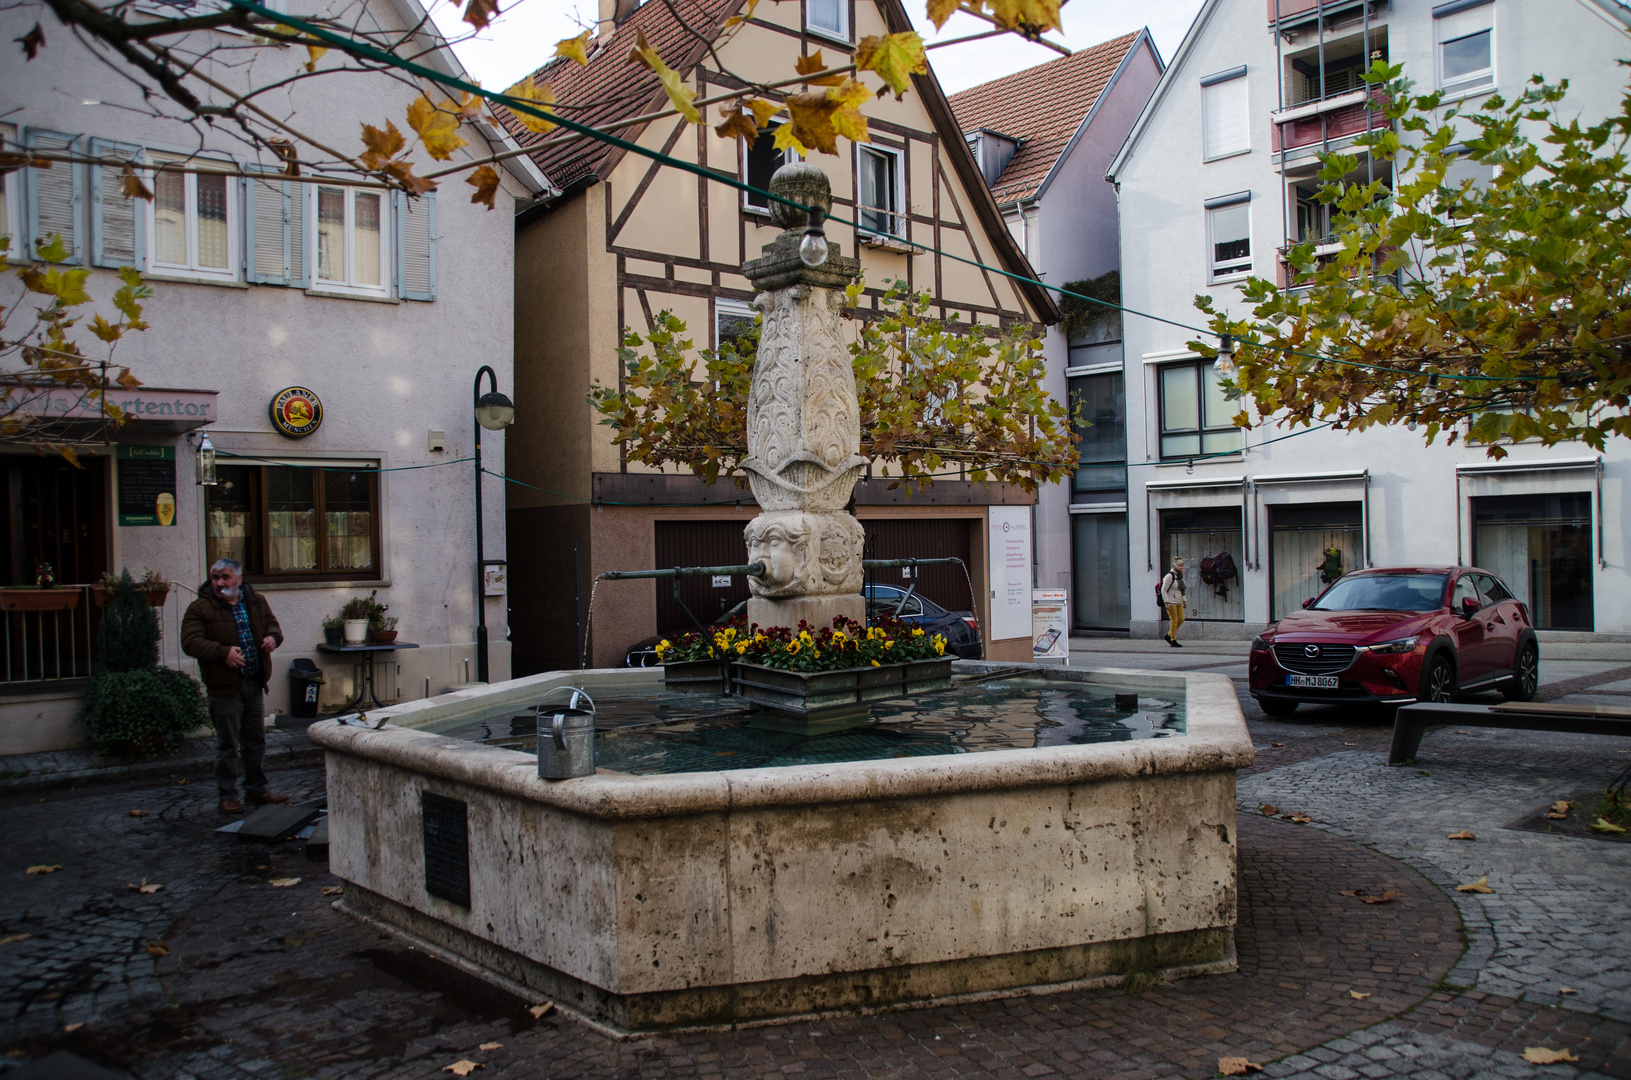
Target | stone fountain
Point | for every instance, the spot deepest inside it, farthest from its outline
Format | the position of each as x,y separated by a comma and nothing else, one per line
804,426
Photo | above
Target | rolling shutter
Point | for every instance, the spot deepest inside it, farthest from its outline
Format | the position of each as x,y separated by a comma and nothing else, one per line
1451,21
54,196
118,223
416,246
1225,119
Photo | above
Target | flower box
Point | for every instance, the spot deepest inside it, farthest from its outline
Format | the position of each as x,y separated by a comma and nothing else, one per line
39,599
820,695
156,595
695,677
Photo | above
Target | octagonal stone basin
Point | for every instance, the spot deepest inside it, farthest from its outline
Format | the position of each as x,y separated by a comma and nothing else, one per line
696,899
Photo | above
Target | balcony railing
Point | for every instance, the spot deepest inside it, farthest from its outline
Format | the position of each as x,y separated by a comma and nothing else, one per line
49,635
1334,118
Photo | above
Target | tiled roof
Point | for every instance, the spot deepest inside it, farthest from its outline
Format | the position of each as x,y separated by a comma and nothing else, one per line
613,87
1042,106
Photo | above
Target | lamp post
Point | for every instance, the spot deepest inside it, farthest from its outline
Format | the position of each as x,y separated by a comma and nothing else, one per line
495,412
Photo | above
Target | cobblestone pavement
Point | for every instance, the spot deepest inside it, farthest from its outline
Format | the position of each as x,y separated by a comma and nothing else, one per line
265,981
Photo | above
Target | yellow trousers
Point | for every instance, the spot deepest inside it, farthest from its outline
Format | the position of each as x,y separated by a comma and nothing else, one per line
1175,613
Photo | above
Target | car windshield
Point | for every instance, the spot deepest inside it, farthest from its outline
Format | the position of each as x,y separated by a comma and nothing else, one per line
1384,592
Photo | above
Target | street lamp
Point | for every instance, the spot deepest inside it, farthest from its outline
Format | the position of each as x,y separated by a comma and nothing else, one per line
495,412
206,460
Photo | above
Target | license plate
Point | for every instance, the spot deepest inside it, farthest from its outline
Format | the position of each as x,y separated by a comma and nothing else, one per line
1313,682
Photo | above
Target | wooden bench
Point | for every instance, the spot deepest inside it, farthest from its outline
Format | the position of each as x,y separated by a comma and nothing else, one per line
1410,722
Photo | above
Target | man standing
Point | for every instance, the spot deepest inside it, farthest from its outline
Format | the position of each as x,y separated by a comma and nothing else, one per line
1172,595
231,631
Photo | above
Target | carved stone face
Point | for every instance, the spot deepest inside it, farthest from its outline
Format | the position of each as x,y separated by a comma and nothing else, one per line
842,542
781,542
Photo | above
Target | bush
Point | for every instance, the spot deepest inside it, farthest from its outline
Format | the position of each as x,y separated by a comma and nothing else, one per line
144,711
129,635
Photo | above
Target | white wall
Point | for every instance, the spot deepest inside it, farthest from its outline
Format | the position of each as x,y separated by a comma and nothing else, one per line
1164,183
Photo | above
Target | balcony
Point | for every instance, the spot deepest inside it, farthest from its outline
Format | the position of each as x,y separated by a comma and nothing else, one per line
1296,13
1328,120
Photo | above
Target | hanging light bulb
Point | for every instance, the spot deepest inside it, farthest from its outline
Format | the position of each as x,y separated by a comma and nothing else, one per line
206,461
813,248
1225,365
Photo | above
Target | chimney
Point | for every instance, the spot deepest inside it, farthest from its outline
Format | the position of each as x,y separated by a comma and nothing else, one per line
612,14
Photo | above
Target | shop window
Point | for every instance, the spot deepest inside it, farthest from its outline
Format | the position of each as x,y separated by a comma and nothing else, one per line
1101,581
1541,547
1196,419
350,240
1098,407
296,523
1310,547
1464,31
1199,534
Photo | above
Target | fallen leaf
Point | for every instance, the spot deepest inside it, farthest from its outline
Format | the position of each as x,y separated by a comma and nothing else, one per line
182,781
10,939
463,1068
1269,809
490,1046
138,813
1545,1055
1604,826
1351,892
1558,817
1276,744
75,1026
1233,1066
333,890
43,869
283,882
1298,819
1462,835
1357,996
1561,807
1384,898
158,948
1568,990
1479,886
1350,744
540,1011
144,887
1460,733
32,42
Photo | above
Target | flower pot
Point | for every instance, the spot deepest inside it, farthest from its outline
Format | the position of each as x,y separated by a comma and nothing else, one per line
384,637
102,596
333,635
695,677
39,599
820,695
356,631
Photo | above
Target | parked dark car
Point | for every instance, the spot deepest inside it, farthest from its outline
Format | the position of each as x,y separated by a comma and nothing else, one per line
1393,636
960,628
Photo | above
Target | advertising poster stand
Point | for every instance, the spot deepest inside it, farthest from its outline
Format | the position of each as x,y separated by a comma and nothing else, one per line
1050,636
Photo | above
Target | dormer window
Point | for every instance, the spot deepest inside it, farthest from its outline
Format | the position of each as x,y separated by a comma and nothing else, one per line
993,151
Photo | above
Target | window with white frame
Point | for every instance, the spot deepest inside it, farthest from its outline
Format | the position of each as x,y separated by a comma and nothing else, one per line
194,219
878,191
830,18
8,192
1225,119
1458,172
759,163
1229,235
733,320
1464,33
350,243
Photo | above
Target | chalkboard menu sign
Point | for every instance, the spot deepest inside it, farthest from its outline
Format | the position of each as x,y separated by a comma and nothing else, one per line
147,485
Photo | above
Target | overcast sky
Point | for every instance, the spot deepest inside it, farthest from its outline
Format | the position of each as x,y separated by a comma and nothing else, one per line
524,37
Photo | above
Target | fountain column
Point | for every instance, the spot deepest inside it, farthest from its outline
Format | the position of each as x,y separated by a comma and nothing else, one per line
804,426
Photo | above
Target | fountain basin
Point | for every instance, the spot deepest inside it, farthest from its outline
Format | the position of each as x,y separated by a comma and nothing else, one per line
694,899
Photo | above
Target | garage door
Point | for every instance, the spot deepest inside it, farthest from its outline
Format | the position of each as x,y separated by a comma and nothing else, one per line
923,538
699,543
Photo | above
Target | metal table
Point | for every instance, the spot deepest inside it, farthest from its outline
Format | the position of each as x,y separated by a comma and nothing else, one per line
365,656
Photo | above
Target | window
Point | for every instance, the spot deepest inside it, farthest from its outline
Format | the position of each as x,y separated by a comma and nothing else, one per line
1541,547
1101,572
1229,234
350,241
878,189
1202,533
1465,33
1225,121
830,18
1098,408
759,163
8,192
194,220
733,320
1302,538
1196,418
300,523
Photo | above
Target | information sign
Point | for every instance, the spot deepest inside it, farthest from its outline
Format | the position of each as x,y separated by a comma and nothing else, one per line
147,485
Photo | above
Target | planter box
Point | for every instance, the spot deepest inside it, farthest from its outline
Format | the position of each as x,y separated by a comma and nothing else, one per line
695,677
824,694
155,596
39,599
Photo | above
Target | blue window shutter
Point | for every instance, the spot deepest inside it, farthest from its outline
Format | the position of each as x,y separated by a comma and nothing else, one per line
416,246
54,198
118,223
269,236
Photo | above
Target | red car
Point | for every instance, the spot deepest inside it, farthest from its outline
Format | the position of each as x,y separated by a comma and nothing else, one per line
1392,636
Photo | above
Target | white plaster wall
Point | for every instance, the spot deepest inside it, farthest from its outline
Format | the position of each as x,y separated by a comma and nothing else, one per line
387,372
1164,183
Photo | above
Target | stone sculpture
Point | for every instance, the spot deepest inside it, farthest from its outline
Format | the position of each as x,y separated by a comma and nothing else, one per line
804,426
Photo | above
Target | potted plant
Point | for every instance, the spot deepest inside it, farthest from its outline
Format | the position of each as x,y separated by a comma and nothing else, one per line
134,706
837,670
358,612
43,596
333,630
153,583
384,630
695,663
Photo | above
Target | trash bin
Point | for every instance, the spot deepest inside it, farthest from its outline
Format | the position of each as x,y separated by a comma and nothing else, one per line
304,680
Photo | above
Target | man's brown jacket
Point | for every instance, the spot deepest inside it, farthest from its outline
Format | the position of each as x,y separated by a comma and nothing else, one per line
208,631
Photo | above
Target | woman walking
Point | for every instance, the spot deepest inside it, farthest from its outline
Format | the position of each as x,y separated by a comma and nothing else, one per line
1172,595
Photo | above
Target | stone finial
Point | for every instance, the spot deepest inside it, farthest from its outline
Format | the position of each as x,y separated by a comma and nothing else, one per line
804,184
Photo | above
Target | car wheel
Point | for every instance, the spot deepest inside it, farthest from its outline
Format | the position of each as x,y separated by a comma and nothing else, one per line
1526,676
1277,707
1438,682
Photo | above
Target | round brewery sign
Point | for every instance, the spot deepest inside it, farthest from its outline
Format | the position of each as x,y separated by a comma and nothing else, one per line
296,412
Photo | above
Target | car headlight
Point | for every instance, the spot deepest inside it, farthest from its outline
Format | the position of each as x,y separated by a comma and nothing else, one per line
1260,644
1399,645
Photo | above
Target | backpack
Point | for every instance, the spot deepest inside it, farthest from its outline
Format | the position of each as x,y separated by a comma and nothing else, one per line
1160,601
1209,571
1223,565
1331,568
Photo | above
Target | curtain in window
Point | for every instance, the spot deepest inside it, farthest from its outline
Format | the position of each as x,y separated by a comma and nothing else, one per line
228,523
366,206
291,520
170,218
331,234
212,221
348,522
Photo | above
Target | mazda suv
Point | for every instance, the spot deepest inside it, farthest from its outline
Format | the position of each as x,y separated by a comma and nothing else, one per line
1393,636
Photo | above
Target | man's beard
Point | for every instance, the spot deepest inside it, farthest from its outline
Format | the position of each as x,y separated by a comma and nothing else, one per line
227,592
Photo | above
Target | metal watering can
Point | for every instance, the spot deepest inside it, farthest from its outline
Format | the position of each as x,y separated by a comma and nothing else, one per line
566,736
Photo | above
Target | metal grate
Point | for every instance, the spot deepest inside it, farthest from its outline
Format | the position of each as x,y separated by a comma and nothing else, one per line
1324,660
447,847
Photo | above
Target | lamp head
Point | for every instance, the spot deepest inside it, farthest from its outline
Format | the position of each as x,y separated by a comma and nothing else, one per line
206,461
494,411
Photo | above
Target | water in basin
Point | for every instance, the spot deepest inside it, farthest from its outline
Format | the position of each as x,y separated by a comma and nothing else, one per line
646,730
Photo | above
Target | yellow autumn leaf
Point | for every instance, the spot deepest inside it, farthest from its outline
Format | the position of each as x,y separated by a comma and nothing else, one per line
314,53
382,145
43,869
736,20
283,882
1603,825
463,1067
542,96
850,95
576,47
1545,1055
679,95
762,110
738,124
438,129
131,185
105,330
818,117
895,58
941,10
1479,886
1236,1066
485,181
540,1011
1031,14
813,65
